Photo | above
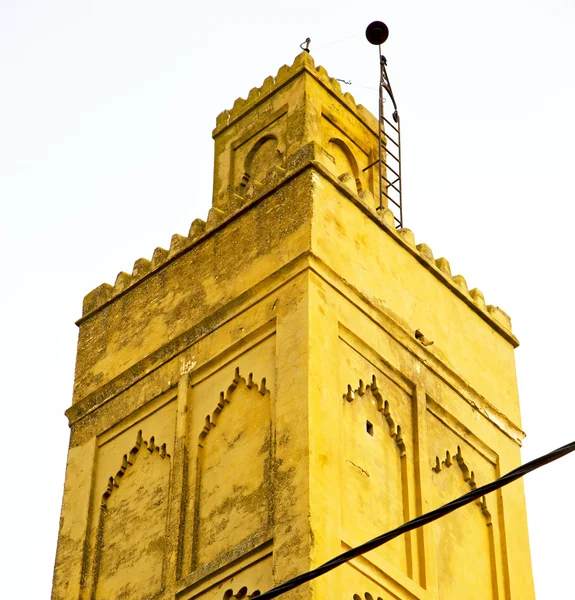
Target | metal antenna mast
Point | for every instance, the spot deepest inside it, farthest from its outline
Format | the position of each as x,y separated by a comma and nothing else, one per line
389,151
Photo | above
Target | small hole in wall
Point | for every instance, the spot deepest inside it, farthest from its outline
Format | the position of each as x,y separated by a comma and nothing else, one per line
369,427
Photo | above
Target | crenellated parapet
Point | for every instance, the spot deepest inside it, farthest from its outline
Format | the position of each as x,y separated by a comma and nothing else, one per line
267,131
144,267
285,74
297,120
442,267
201,229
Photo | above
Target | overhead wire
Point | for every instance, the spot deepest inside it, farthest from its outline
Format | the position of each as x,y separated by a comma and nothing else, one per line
424,519
305,45
349,37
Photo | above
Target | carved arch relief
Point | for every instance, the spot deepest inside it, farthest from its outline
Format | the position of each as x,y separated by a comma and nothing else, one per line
375,471
456,520
263,156
131,531
467,474
241,594
382,407
232,505
345,164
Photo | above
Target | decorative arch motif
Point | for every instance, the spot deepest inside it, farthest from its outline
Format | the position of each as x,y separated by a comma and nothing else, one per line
353,172
128,461
262,157
468,477
118,547
233,473
379,474
382,407
225,399
467,474
241,594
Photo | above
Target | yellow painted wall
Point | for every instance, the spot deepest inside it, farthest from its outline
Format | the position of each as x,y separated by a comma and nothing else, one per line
254,400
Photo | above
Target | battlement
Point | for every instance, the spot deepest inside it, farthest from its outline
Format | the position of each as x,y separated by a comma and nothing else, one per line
297,120
302,62
199,230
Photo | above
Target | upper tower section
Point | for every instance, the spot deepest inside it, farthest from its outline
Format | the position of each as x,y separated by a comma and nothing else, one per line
299,113
294,176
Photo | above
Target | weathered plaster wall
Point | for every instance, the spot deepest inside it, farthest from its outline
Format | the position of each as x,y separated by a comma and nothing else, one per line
290,379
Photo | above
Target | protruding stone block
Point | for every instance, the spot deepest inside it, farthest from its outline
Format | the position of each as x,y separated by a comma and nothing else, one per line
500,316
443,265
367,198
460,282
215,216
349,98
335,85
386,215
178,243
426,252
267,85
478,298
283,74
223,118
238,106
197,229
253,95
141,267
349,181
123,280
407,236
304,59
97,297
160,256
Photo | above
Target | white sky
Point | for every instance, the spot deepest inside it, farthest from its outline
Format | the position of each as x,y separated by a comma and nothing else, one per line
106,112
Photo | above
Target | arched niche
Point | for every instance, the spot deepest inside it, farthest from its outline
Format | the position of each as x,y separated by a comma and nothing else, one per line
345,164
374,471
466,532
233,474
263,156
131,535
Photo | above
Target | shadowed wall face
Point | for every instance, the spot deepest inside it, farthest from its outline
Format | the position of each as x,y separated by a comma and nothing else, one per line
290,379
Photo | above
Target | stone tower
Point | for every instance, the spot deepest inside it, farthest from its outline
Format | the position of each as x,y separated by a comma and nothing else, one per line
291,379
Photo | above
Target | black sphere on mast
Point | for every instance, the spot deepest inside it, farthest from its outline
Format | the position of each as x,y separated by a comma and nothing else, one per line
376,33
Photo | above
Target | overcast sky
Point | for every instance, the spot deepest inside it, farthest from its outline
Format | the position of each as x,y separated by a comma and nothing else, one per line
106,113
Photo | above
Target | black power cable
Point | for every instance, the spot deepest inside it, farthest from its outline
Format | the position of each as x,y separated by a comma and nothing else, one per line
475,494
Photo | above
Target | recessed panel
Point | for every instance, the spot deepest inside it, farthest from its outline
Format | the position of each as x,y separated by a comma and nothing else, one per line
130,506
376,447
232,454
466,541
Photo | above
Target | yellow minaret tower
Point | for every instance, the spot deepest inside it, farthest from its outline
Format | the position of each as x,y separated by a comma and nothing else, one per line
291,379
